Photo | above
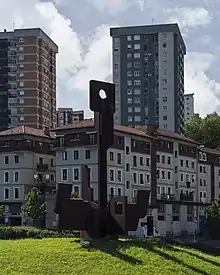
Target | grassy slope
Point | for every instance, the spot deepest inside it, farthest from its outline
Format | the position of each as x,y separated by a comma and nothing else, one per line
65,256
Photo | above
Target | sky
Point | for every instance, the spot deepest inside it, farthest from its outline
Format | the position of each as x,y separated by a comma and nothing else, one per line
80,28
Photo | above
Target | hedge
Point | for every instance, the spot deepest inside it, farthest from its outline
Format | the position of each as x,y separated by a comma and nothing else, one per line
24,232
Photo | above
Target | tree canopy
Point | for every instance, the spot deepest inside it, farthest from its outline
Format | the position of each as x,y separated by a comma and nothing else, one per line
34,207
213,219
204,130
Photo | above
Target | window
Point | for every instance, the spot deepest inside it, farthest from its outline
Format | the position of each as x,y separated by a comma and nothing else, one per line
75,154
135,178
129,38
164,117
118,158
137,109
21,101
141,178
129,82
134,161
6,159
6,193
130,110
21,84
158,158
119,191
21,57
76,191
137,73
137,91
168,175
112,191
75,174
64,155
21,118
147,162
21,74
111,175
147,178
6,177
64,174
130,119
164,99
21,40
16,159
127,150
119,176
141,161
21,66
181,177
164,44
129,100
129,55
169,160
21,49
129,46
137,65
21,92
127,184
137,37
181,163
137,46
129,92
137,55
137,82
129,65
164,81
163,174
137,100
87,154
111,156
16,176
16,193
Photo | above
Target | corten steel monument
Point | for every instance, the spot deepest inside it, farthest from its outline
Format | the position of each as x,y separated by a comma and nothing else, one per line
101,218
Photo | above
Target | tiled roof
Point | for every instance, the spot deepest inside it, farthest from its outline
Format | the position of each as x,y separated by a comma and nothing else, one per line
174,135
140,131
21,130
87,123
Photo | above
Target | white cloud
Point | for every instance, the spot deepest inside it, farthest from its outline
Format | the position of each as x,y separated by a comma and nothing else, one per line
115,6
197,81
189,17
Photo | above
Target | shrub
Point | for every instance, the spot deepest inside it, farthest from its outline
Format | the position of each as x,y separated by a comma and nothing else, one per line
23,232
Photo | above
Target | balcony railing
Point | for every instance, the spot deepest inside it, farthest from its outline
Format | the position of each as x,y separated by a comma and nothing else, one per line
42,167
168,197
186,197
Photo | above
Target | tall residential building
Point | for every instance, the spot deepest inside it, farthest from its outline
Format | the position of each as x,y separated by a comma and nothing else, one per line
66,116
189,106
148,70
27,79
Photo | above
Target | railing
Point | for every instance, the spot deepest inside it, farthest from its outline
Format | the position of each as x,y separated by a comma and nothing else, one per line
42,167
186,197
168,197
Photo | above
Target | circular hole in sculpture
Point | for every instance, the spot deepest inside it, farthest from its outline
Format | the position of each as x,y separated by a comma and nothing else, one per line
102,94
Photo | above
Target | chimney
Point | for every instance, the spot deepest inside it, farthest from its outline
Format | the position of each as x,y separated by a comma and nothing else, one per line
151,129
47,131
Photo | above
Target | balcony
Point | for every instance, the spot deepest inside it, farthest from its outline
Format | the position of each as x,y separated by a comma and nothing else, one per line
42,167
168,197
186,197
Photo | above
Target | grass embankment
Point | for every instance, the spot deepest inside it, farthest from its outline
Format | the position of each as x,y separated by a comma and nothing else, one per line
65,256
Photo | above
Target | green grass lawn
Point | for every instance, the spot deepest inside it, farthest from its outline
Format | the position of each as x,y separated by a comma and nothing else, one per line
65,256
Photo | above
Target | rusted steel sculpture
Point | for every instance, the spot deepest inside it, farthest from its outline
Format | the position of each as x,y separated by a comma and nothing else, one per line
102,218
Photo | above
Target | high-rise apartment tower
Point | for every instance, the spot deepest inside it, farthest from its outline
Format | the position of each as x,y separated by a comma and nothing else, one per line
148,70
27,79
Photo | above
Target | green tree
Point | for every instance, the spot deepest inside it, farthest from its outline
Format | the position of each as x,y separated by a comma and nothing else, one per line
213,219
204,130
34,206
